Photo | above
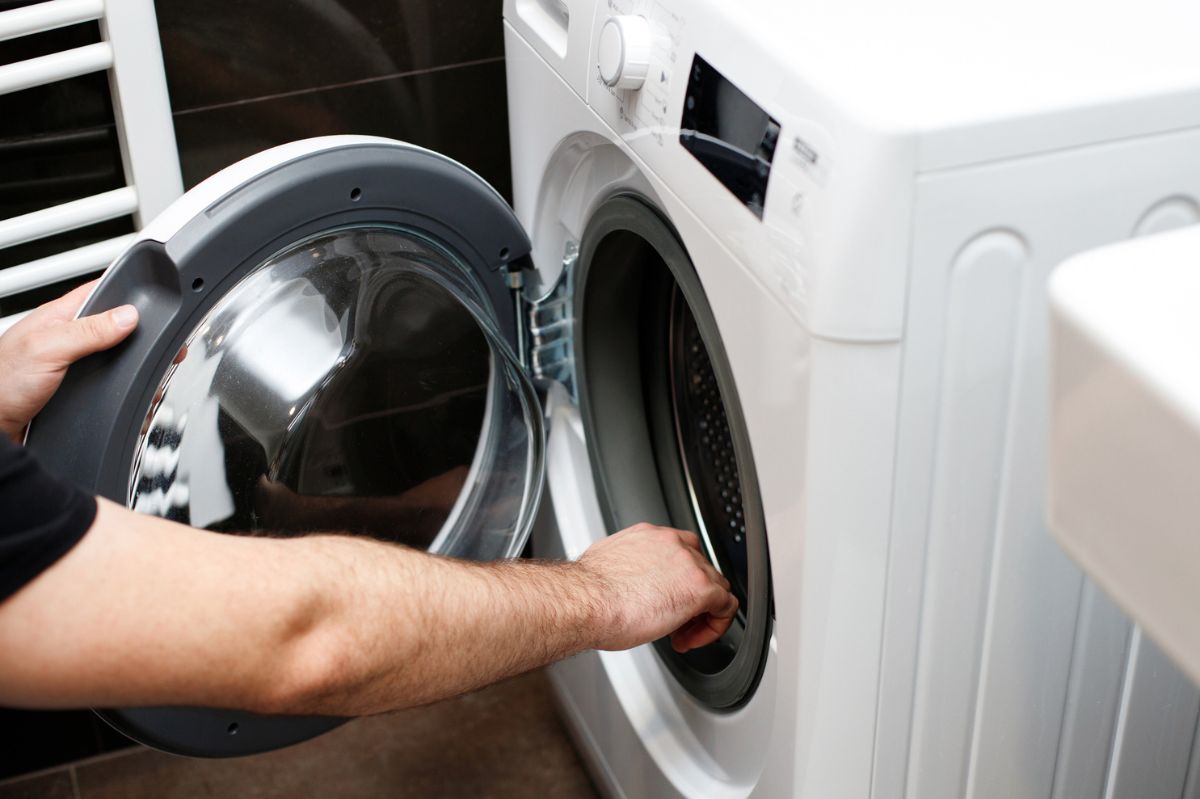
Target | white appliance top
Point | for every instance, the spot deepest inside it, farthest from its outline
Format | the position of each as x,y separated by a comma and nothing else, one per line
944,68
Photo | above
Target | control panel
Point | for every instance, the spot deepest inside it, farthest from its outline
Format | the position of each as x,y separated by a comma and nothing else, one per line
710,126
634,64
729,134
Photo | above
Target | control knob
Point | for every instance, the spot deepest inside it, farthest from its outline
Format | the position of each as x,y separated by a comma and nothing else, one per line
623,52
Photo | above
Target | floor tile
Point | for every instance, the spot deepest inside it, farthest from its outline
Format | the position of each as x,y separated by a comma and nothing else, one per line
505,741
37,740
56,785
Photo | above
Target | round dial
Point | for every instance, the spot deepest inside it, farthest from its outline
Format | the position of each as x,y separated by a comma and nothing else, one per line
623,52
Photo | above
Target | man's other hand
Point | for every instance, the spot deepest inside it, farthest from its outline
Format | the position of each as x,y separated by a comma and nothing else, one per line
654,581
36,351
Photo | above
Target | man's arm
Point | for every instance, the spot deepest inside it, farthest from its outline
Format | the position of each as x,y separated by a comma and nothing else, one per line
144,611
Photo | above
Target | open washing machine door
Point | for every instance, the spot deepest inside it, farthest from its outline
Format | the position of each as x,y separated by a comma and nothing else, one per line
327,342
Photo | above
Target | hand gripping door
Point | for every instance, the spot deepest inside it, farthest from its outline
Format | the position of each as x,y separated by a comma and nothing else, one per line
326,343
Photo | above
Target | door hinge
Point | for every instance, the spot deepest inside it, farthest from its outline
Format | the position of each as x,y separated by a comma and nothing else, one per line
514,278
546,326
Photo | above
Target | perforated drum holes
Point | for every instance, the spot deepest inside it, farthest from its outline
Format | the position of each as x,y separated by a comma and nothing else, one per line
706,446
666,437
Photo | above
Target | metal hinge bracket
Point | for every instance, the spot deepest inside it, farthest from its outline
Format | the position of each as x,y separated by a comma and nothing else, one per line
546,326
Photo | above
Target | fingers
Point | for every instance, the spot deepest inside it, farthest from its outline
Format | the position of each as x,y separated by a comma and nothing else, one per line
709,570
719,608
66,306
728,610
76,338
694,635
690,539
705,629
698,634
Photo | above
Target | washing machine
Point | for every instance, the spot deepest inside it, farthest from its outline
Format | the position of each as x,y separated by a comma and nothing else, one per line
868,197
774,273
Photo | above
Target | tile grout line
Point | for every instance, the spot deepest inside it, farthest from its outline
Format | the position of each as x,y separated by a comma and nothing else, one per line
331,86
124,751
28,776
32,775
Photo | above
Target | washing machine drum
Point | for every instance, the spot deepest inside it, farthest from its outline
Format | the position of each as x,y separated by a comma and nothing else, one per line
326,343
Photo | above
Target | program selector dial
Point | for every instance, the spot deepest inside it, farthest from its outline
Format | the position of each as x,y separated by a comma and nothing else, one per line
623,53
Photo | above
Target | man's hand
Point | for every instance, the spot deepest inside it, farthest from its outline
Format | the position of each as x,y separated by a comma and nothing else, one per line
656,581
36,351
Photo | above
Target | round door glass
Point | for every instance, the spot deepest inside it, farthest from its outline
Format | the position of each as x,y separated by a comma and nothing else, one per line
354,382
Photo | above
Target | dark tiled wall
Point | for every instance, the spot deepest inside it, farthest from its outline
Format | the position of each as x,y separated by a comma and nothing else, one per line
244,76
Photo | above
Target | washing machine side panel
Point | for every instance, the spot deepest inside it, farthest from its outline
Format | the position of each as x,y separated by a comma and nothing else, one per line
982,296
834,595
1016,688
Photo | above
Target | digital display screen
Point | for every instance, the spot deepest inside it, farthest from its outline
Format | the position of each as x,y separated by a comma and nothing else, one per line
727,132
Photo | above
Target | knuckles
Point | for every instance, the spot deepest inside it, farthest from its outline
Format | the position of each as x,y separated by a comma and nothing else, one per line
94,328
699,581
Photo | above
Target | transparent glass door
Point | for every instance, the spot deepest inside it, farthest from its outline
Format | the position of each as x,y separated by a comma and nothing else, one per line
354,382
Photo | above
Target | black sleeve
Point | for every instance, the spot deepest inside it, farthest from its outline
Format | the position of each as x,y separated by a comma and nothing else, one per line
41,517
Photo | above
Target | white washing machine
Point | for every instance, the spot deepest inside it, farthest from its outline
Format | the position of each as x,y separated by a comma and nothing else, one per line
870,196
775,274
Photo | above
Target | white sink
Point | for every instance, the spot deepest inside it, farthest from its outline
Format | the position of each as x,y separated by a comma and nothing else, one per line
1124,494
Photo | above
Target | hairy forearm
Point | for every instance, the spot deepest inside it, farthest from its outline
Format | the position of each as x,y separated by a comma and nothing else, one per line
148,612
145,611
398,627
